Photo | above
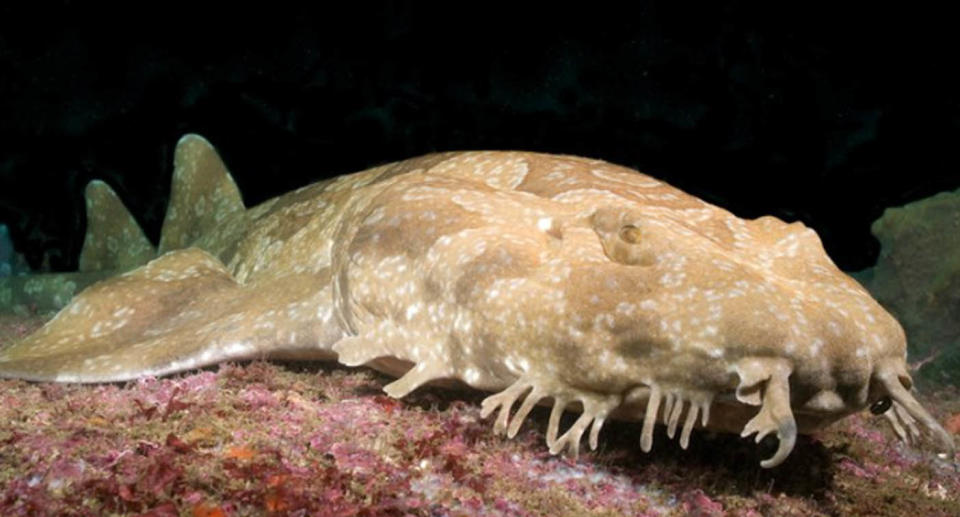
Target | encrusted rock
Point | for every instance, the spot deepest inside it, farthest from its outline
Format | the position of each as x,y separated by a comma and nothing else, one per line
917,278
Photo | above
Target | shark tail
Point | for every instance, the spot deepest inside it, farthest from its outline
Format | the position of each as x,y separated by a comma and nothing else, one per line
202,196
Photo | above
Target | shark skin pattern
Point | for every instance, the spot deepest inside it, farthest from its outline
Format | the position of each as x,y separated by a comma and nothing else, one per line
540,278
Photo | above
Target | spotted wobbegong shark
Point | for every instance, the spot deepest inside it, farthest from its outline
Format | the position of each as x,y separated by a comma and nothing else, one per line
540,278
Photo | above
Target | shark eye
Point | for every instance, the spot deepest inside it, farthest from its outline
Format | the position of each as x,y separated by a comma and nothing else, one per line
881,406
630,234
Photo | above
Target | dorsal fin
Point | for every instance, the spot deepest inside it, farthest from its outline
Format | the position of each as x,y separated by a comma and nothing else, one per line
202,194
114,241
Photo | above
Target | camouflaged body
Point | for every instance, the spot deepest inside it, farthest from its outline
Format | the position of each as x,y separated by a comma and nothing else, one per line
538,277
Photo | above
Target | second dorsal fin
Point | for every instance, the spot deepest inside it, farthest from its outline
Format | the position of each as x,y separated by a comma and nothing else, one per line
202,194
114,241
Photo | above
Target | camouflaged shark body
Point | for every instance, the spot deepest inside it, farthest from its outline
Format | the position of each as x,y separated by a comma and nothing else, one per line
534,276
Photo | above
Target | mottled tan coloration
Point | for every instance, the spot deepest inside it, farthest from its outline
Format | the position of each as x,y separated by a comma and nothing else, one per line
530,275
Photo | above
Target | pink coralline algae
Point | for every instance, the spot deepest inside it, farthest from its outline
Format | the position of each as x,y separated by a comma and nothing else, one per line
260,439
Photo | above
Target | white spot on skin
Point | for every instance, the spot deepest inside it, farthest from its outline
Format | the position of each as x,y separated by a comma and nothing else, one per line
545,224
237,349
815,346
471,375
602,321
413,310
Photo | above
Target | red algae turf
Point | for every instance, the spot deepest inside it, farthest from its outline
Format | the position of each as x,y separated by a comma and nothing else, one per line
311,439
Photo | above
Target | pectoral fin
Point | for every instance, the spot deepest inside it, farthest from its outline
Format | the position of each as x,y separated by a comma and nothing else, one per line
180,311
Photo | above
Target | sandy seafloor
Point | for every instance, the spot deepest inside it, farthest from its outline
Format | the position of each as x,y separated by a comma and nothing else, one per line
264,438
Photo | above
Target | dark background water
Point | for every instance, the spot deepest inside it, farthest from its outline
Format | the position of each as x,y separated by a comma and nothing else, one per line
821,114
